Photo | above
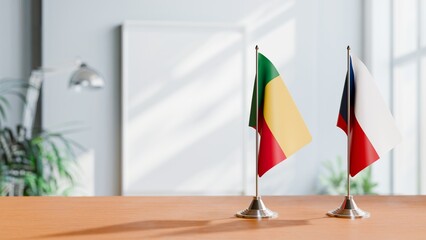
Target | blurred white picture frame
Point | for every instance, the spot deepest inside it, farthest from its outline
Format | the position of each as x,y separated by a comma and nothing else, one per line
184,114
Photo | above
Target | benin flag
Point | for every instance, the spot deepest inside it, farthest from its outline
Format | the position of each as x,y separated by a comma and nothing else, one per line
281,127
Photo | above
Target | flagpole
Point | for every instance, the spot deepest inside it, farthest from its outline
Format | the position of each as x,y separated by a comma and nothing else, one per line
348,209
257,123
349,122
257,208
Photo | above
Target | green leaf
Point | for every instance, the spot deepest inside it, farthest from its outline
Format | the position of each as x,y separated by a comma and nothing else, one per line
335,177
2,113
5,101
47,163
30,180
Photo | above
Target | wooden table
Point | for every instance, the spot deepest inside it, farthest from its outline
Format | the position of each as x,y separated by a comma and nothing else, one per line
301,217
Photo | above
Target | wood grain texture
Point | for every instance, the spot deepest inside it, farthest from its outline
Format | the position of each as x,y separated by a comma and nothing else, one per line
300,217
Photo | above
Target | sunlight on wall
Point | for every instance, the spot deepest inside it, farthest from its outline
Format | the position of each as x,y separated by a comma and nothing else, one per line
405,37
179,73
265,13
202,54
280,44
189,91
188,128
406,117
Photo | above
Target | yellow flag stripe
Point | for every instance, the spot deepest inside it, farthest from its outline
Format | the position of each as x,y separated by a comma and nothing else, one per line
283,117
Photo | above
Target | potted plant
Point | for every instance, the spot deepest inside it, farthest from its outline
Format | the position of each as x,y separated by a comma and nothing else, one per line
334,180
33,165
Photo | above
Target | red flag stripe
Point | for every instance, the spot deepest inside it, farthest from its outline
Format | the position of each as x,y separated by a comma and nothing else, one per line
341,123
270,151
362,151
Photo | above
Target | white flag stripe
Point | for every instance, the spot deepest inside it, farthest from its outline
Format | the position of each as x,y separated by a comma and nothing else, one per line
371,111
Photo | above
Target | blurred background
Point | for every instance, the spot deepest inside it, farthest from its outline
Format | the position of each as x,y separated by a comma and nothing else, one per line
171,114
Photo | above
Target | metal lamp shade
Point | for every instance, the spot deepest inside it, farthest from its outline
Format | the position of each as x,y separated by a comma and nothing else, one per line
86,77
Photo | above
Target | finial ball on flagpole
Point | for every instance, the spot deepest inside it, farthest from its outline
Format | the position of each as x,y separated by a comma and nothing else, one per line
257,47
349,48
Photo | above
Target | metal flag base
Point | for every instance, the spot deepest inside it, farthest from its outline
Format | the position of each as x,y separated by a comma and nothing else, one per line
257,209
349,209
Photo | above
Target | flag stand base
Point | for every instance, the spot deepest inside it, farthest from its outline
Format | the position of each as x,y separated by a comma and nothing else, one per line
257,209
349,209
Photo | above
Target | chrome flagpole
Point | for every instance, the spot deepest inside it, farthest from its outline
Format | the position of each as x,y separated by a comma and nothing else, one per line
348,209
257,208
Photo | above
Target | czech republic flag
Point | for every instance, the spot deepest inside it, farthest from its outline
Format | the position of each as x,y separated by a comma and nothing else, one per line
373,131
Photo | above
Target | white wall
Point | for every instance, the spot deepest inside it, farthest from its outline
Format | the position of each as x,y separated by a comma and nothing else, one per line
15,47
378,59
340,23
394,41
306,39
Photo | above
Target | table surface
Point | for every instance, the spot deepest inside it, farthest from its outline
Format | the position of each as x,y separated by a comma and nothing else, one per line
300,217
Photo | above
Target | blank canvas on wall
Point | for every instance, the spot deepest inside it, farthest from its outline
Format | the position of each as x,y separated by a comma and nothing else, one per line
183,114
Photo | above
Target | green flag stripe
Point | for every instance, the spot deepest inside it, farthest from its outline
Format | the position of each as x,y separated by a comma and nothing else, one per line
267,72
